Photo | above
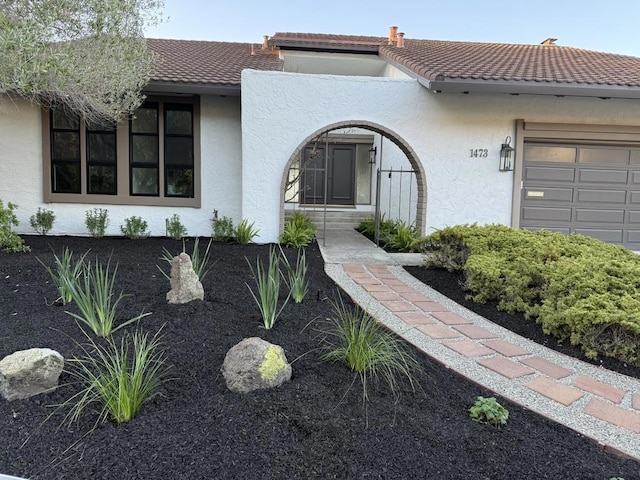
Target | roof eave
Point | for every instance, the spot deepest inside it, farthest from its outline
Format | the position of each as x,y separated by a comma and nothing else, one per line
323,47
513,87
192,88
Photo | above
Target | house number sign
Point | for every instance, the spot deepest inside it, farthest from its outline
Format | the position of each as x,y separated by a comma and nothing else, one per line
479,153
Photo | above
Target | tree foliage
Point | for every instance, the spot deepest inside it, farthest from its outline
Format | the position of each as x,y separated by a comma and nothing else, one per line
86,55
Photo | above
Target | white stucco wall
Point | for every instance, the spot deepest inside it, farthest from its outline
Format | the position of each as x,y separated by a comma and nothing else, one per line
280,110
21,173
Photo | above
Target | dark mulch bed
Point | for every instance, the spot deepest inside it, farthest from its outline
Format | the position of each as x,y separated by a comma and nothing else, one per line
450,285
197,429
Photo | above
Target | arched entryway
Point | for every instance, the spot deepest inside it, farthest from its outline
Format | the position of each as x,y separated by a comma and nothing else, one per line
387,134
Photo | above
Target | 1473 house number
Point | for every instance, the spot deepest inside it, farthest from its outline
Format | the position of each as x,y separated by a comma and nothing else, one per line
479,153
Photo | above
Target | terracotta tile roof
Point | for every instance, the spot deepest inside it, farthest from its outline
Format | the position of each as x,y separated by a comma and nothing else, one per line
208,63
441,60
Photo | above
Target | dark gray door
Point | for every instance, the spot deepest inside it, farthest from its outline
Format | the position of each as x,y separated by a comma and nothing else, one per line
341,175
586,189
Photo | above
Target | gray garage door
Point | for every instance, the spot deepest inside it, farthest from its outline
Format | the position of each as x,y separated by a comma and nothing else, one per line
587,189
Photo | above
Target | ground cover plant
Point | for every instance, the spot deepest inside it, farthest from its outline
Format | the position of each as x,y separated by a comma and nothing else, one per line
580,290
311,427
394,235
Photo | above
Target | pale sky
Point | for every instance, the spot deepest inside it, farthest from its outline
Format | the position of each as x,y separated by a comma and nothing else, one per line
605,25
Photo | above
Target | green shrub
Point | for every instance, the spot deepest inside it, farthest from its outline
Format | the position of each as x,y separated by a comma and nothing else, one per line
488,410
298,231
97,221
368,226
357,340
223,230
66,273
93,293
245,232
116,380
134,228
175,229
268,282
42,221
578,288
9,240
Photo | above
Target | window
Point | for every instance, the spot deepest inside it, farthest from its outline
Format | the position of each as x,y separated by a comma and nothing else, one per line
65,152
101,161
153,158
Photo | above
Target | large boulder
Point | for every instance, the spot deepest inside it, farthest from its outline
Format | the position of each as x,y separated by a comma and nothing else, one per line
255,364
185,284
26,373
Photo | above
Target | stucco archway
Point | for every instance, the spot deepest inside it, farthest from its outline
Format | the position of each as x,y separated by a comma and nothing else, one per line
416,164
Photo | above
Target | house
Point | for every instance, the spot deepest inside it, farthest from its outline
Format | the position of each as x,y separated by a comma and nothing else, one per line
434,133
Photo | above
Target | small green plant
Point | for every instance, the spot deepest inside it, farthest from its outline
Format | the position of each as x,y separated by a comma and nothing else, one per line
117,378
9,240
245,232
134,228
297,275
67,272
298,231
488,410
223,229
268,283
199,260
97,221
175,229
357,340
402,236
42,221
93,293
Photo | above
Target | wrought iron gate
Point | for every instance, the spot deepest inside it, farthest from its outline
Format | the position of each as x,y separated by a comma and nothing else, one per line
396,197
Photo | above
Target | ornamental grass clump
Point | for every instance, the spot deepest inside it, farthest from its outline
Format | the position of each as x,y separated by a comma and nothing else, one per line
268,282
297,276
94,295
245,232
116,378
199,260
357,340
66,273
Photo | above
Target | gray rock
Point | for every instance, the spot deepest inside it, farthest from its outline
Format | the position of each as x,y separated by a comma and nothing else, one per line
255,364
185,285
26,373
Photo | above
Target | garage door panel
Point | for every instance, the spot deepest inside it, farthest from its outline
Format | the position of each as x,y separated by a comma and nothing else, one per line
547,213
547,194
635,178
601,196
634,197
633,217
633,236
603,176
557,174
610,236
593,215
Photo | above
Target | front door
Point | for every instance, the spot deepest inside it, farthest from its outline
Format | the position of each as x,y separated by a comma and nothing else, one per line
341,175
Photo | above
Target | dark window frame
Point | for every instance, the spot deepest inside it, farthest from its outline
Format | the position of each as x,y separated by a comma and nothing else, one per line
64,161
123,196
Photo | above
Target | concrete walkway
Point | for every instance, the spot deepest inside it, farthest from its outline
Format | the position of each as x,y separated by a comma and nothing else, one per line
596,402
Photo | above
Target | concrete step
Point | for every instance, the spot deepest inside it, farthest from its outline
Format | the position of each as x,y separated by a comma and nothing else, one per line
335,220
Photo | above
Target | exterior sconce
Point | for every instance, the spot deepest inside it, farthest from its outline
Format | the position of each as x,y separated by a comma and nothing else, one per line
506,154
372,155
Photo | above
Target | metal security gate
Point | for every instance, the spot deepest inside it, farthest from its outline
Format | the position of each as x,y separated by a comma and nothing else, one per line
396,197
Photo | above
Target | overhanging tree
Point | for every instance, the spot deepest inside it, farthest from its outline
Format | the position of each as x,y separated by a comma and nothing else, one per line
89,56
